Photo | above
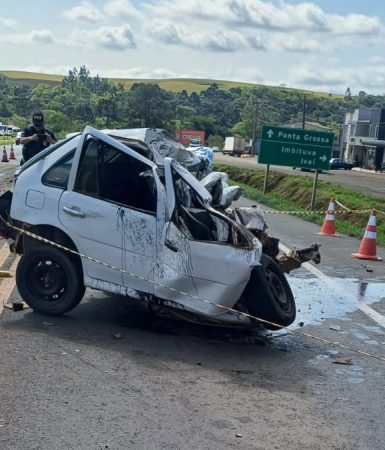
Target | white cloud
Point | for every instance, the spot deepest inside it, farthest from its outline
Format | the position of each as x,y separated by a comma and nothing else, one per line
370,77
356,24
282,17
250,74
53,70
252,13
377,60
138,72
215,40
41,37
113,38
232,25
33,37
122,9
296,44
318,76
270,41
263,14
321,77
7,23
84,12
258,42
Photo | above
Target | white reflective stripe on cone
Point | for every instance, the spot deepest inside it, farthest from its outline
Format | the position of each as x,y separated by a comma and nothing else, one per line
330,217
370,235
372,220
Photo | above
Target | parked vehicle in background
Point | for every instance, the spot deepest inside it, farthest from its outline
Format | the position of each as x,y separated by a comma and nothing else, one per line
195,142
234,146
338,163
18,137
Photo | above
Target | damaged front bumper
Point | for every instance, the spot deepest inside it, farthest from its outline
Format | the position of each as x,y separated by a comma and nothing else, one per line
253,218
295,258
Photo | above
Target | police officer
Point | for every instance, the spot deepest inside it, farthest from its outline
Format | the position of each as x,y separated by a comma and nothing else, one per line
36,137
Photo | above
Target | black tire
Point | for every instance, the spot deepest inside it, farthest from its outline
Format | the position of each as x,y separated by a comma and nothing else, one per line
49,280
269,296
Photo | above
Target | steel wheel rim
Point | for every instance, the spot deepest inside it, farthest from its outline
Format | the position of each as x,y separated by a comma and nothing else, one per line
47,280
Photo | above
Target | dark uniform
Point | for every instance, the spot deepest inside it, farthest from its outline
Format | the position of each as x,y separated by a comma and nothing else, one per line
32,148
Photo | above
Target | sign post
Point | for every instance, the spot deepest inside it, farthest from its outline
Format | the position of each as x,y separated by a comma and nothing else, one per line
296,147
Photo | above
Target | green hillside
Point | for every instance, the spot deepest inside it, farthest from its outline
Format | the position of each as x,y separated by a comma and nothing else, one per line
170,84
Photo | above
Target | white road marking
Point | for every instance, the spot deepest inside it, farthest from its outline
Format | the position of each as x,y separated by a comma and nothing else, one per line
8,284
4,252
366,309
372,314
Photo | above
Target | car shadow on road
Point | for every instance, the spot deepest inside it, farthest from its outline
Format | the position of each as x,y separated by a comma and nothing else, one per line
107,323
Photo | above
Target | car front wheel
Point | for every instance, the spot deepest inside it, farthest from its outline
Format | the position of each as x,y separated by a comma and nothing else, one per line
49,280
269,296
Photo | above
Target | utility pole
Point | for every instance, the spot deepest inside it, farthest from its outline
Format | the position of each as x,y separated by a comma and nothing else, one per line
304,112
255,113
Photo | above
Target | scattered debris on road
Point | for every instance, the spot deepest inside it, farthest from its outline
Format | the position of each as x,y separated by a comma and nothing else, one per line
5,274
18,306
344,361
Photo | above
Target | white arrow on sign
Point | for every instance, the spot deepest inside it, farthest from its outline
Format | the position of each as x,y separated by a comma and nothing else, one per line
270,133
323,158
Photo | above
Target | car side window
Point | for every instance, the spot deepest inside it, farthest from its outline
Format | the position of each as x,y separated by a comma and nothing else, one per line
110,174
57,175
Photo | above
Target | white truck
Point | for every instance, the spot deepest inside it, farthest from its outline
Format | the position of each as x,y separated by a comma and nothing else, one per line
234,146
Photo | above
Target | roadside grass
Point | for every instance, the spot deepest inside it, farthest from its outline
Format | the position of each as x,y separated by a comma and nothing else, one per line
293,193
7,141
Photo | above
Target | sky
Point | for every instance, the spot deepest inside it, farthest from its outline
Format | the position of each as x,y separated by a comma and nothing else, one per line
324,45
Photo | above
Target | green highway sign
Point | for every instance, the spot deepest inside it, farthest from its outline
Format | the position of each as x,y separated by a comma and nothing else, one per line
296,147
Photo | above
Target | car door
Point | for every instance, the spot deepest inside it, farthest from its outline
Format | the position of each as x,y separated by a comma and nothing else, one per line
110,211
212,270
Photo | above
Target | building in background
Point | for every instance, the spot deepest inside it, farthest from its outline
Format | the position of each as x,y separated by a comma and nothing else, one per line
186,137
363,137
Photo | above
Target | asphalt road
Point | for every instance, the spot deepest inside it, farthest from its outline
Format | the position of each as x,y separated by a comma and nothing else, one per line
367,182
109,375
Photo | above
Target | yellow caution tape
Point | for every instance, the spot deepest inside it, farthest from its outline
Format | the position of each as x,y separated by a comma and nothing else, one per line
226,308
300,213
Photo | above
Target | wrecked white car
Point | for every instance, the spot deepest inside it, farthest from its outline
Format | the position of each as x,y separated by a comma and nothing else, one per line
98,212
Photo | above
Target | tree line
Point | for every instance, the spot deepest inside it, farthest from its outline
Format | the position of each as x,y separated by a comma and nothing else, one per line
82,99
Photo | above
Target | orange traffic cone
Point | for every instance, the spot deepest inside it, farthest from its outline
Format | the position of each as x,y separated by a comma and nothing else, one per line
368,244
329,225
11,153
5,157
